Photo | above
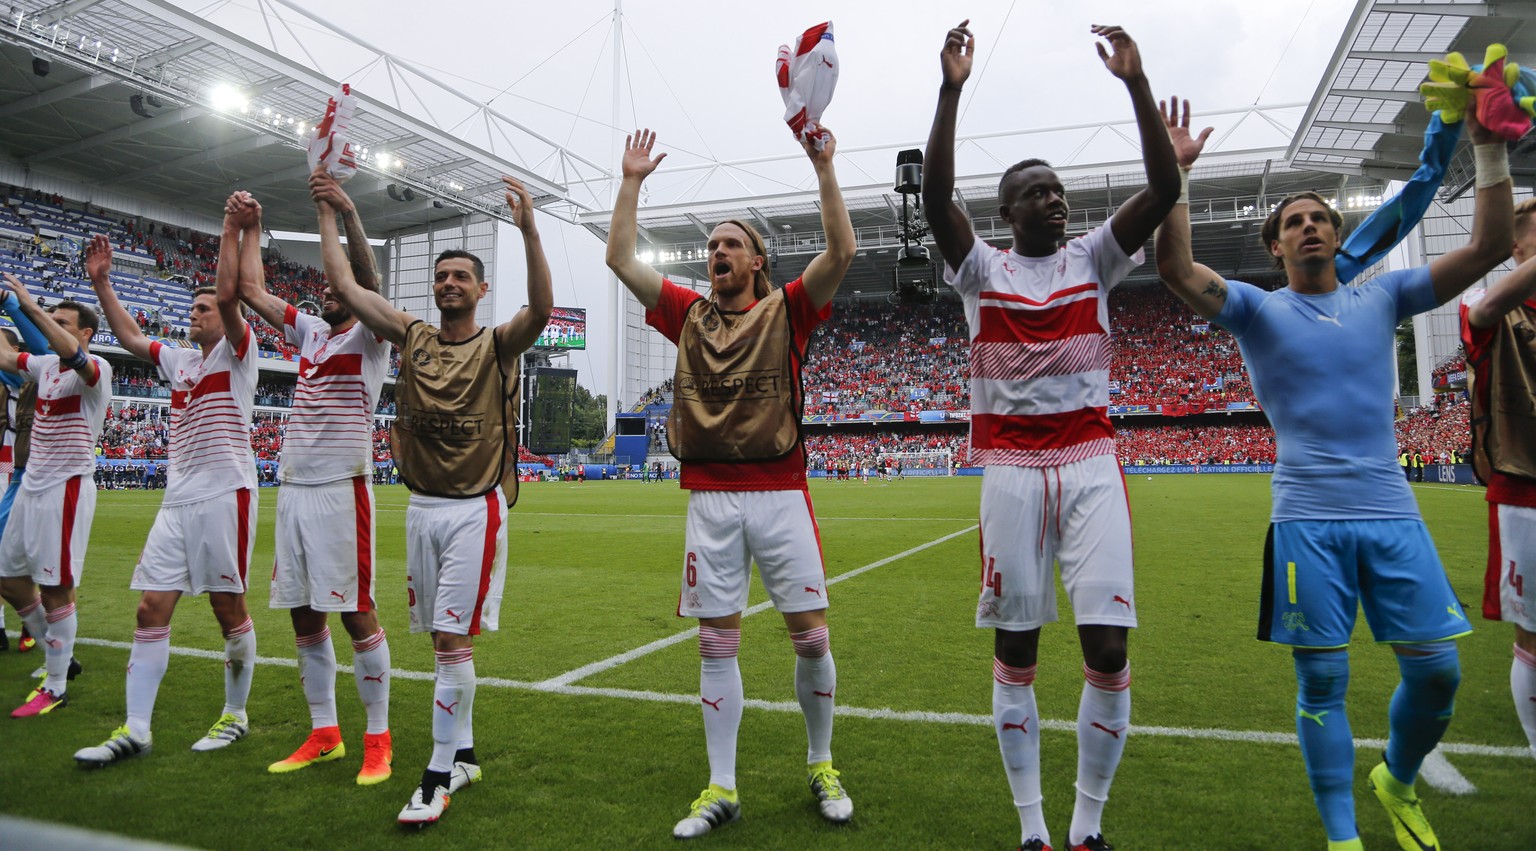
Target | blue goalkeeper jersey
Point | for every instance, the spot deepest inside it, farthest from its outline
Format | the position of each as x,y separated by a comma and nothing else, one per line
1323,369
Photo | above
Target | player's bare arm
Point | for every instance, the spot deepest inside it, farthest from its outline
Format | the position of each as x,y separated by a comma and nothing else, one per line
1505,295
365,268
63,343
518,333
1493,223
227,270
826,270
1198,286
632,272
252,275
1138,217
98,263
951,228
370,308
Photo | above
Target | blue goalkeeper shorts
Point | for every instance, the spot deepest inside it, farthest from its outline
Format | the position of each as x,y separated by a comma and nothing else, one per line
1317,573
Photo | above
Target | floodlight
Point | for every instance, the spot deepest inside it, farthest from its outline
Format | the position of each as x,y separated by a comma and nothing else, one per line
227,98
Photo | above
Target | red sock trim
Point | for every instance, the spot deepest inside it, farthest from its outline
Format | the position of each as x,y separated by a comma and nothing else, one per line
1526,657
1118,681
719,643
370,643
242,629
812,644
30,608
61,613
321,637
150,634
1011,676
455,657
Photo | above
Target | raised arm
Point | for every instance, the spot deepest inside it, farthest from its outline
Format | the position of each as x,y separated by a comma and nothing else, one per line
227,272
1493,218
365,268
518,333
1138,217
1504,296
949,224
98,262
9,360
252,276
1199,287
634,273
29,332
825,271
370,308
63,343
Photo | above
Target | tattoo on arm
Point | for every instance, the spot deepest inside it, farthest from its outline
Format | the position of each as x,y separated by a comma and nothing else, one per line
1215,289
359,253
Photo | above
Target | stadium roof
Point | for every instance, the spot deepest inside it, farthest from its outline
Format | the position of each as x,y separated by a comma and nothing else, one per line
1242,172
1367,117
153,100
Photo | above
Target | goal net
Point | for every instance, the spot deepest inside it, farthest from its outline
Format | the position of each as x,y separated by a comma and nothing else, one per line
929,462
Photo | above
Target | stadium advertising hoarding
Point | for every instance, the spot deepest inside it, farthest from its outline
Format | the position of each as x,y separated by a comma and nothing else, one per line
567,329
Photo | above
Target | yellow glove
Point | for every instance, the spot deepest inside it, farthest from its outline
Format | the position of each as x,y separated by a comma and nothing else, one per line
1447,92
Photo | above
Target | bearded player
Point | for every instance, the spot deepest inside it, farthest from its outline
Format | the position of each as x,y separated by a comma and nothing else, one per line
325,517
455,442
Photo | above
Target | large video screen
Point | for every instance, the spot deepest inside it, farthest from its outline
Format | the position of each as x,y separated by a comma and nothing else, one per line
548,397
567,329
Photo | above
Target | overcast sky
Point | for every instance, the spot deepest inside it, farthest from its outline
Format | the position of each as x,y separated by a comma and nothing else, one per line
700,72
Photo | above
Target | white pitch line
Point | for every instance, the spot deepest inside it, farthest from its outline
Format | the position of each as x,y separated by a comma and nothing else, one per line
598,667
1438,772
819,518
1454,488
916,716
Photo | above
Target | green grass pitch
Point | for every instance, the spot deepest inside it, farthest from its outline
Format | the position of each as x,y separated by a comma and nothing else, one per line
613,759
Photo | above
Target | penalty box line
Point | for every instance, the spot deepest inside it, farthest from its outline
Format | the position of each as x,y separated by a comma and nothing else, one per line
611,662
1437,771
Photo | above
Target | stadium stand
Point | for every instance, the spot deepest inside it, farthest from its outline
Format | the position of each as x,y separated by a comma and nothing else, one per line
1440,430
872,358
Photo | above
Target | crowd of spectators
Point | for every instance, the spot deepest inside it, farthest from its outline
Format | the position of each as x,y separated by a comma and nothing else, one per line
267,433
136,380
1180,444
1440,430
874,356
1163,354
865,446
274,394
135,431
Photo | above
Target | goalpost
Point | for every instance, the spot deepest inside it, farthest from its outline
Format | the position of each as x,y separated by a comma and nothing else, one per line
928,462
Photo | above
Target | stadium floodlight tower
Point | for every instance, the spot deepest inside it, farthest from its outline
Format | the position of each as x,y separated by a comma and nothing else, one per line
915,281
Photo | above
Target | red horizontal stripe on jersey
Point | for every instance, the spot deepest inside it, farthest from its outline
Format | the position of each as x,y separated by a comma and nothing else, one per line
60,406
1041,325
1019,299
346,365
213,382
1039,431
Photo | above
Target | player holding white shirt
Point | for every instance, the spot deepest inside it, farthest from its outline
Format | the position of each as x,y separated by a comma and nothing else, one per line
325,517
42,554
1040,357
204,533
